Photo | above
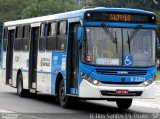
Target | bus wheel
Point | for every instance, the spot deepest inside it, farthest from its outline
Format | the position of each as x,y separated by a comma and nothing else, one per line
20,91
124,103
65,101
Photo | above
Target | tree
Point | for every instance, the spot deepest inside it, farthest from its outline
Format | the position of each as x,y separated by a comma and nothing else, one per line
18,9
46,7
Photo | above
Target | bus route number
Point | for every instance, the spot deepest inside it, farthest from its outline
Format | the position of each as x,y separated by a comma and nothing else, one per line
137,79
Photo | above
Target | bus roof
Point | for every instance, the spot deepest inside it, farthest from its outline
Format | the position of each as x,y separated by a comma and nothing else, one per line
72,14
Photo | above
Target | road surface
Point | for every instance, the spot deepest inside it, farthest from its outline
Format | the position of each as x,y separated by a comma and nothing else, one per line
45,107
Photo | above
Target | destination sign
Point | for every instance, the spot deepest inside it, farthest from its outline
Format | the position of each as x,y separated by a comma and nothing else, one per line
120,17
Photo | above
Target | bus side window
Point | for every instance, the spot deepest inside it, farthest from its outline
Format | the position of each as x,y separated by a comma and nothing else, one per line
42,39
61,39
26,36
18,38
19,32
5,39
52,34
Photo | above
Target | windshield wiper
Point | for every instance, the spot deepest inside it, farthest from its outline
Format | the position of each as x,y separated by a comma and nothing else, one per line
129,46
132,36
108,32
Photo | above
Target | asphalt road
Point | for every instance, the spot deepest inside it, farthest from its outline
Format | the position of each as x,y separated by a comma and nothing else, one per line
45,107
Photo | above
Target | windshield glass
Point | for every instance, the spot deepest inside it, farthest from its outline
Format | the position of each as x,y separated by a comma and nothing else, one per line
140,50
99,47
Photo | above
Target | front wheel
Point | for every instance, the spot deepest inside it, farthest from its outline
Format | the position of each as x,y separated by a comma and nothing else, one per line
124,103
65,101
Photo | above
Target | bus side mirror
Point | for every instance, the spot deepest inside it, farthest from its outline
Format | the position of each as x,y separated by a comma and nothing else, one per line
80,33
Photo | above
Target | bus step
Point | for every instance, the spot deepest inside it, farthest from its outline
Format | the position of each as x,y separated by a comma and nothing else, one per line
32,91
33,85
10,81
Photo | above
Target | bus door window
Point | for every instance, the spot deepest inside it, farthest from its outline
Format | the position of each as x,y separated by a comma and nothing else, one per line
72,58
9,56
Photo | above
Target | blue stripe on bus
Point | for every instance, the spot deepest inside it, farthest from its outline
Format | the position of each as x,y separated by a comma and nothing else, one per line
42,72
113,24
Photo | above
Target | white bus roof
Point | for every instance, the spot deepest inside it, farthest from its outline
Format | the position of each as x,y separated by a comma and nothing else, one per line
44,18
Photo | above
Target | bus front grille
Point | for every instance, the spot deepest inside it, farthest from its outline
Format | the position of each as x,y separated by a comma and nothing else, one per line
121,72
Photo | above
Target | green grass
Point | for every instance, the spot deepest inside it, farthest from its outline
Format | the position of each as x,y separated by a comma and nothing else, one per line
158,75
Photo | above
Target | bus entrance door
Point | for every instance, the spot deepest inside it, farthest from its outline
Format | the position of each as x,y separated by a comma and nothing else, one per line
33,59
72,61
9,58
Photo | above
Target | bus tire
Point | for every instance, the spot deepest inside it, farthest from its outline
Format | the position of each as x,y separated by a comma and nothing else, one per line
65,101
124,103
20,91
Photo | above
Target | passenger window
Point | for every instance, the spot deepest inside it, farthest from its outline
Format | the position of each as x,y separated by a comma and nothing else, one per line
18,38
53,29
42,39
51,39
61,39
26,38
17,44
25,44
63,28
42,30
42,44
47,41
26,31
51,43
19,31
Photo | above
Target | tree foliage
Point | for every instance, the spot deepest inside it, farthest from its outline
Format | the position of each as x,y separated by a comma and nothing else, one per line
45,7
19,9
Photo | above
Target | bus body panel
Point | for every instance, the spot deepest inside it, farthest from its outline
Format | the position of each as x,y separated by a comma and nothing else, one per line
58,66
25,79
44,83
44,72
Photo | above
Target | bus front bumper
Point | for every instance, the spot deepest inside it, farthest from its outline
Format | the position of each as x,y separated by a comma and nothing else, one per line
88,90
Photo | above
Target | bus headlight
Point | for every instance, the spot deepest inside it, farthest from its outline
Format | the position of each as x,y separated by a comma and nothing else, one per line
148,82
89,79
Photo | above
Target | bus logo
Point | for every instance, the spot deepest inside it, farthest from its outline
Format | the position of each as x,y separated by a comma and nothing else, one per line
122,72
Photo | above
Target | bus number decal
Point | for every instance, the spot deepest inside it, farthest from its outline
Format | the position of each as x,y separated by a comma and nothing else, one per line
137,79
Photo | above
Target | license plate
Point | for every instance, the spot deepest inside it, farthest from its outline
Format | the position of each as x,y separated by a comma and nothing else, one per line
121,91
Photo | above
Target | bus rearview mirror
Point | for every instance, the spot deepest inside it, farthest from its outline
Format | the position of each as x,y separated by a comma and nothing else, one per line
80,33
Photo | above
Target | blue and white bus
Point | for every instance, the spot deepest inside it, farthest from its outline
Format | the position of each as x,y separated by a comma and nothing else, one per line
94,53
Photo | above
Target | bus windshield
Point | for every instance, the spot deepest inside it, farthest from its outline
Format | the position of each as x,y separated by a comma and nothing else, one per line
99,49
